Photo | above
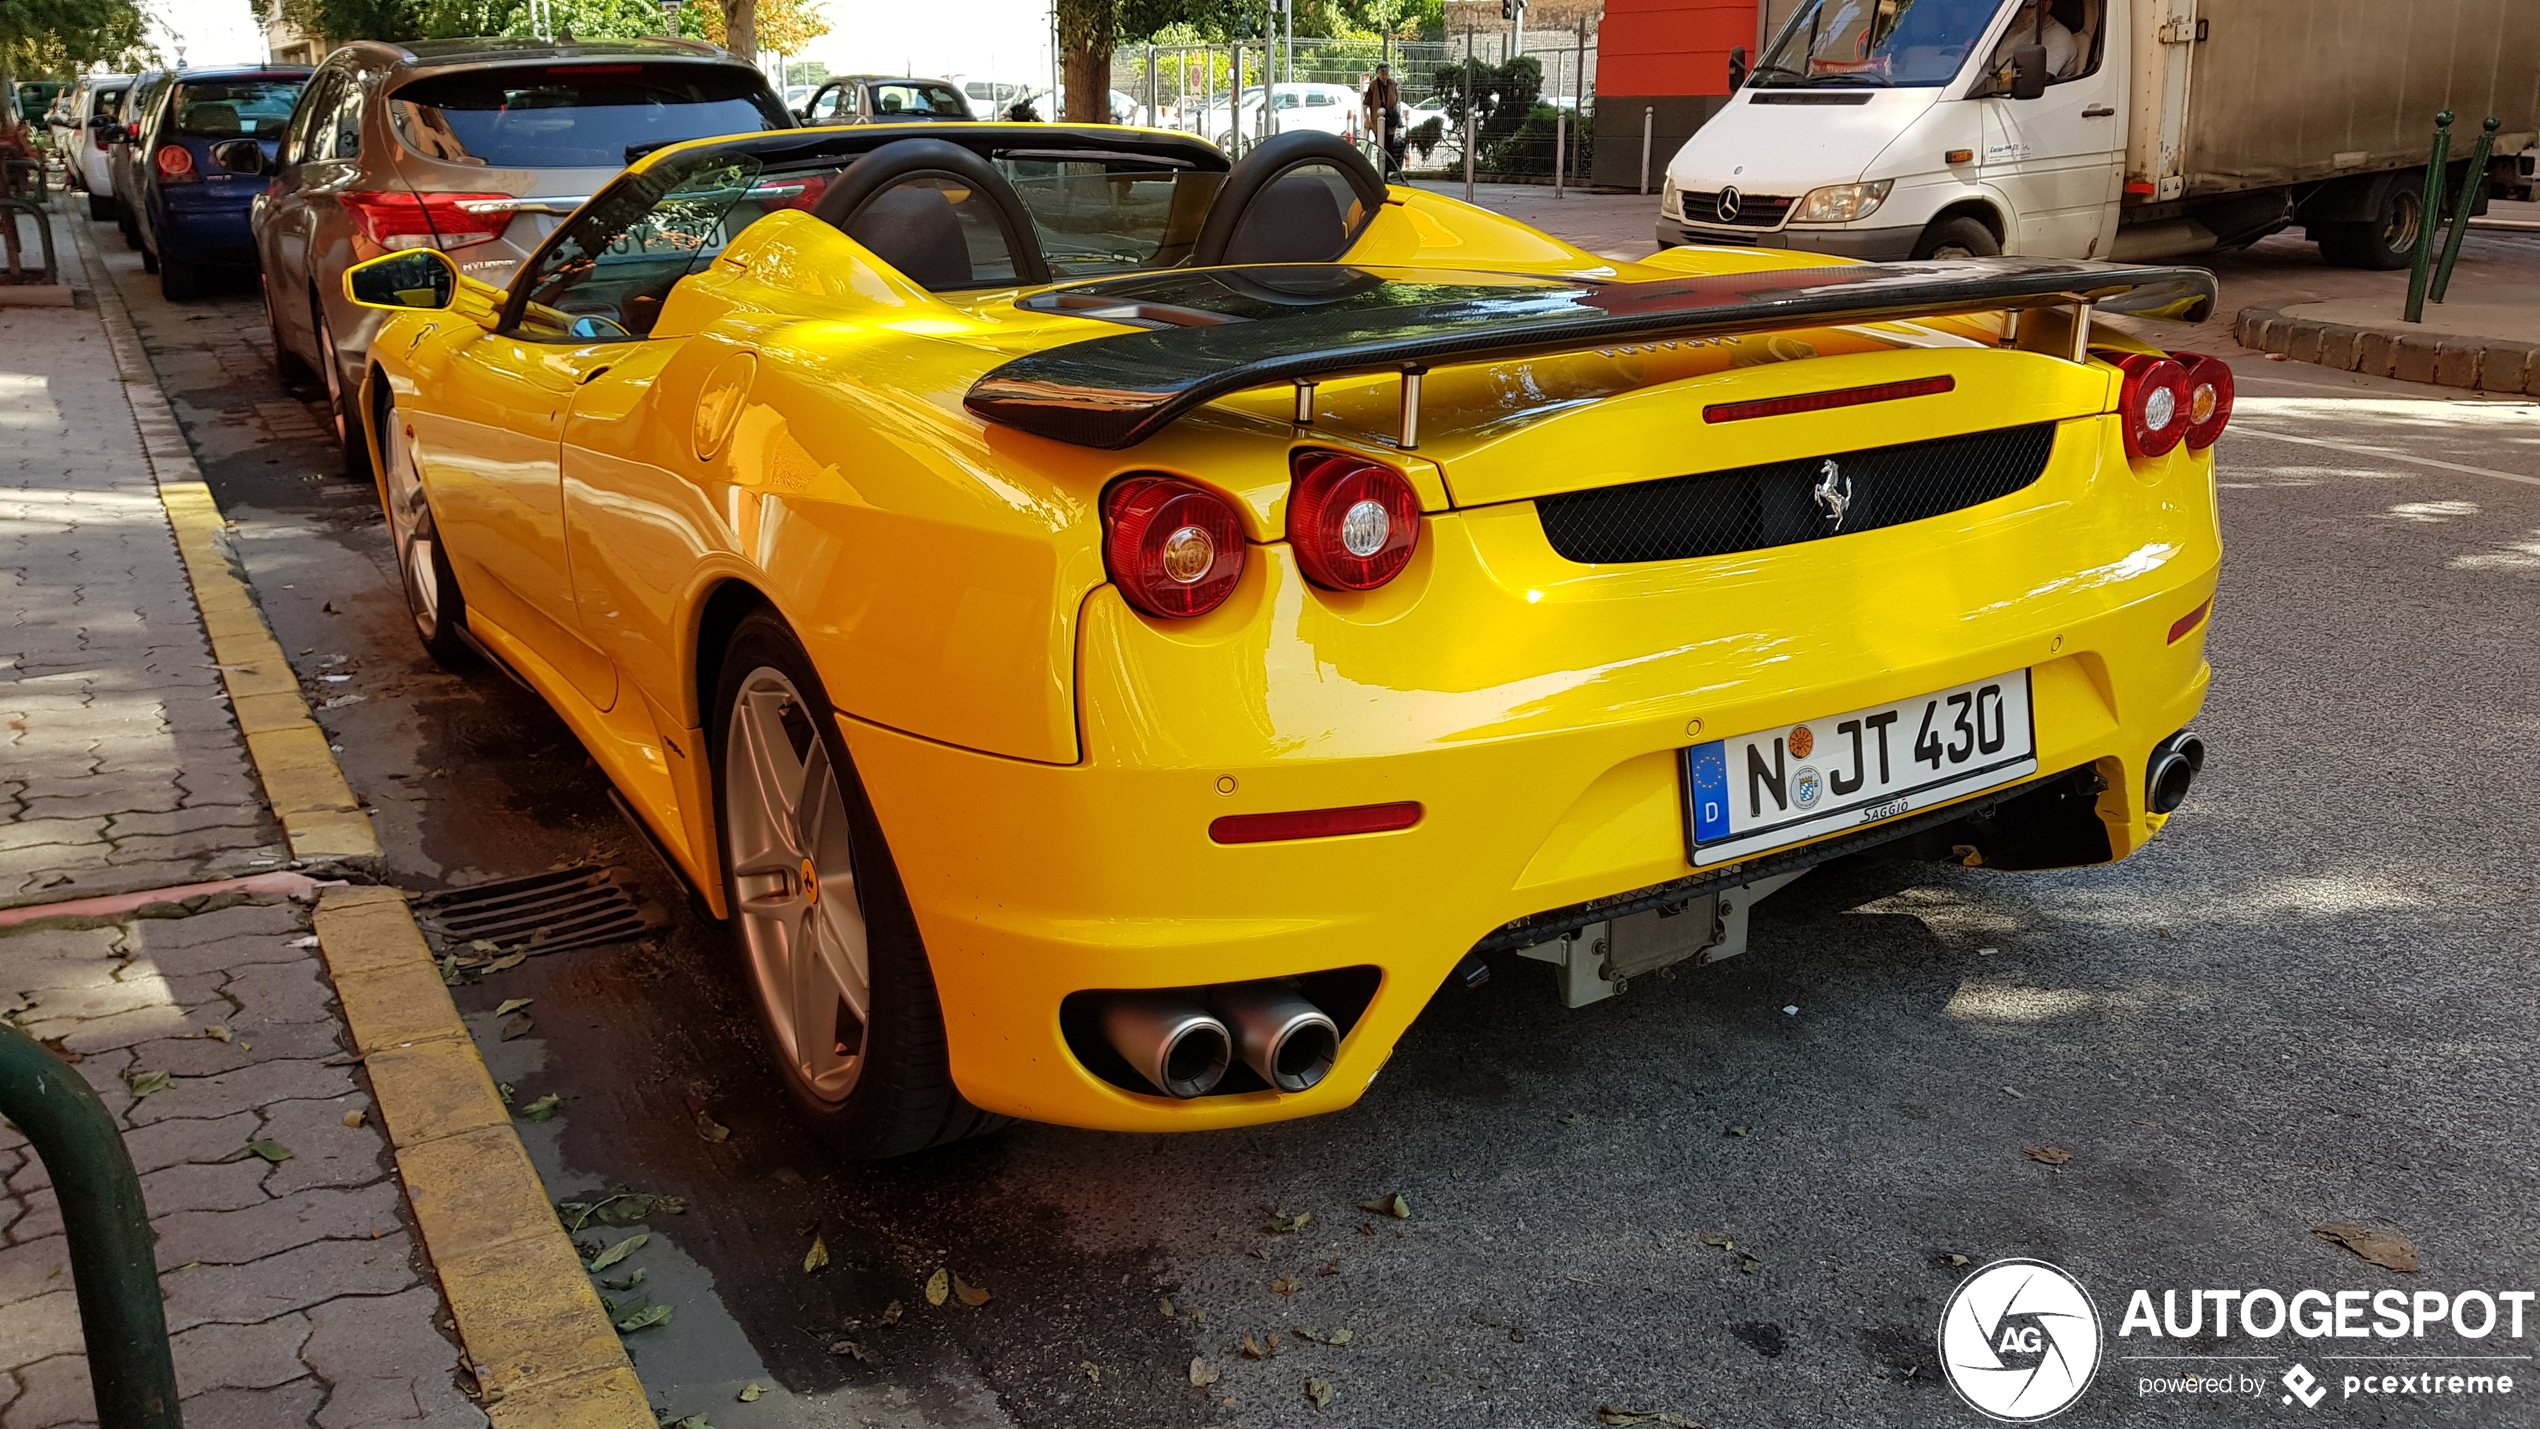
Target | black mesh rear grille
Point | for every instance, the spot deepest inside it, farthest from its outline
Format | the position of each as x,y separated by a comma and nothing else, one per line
1756,507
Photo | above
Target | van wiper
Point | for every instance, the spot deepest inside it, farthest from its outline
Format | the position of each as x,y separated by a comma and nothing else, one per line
1774,69
1882,81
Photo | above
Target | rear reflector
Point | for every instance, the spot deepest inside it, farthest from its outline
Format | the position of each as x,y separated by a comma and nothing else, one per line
1821,401
2188,622
1313,823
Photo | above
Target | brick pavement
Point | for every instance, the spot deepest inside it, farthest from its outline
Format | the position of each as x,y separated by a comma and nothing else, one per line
295,1290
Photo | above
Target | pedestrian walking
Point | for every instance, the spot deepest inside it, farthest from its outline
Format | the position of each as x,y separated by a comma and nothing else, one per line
1383,102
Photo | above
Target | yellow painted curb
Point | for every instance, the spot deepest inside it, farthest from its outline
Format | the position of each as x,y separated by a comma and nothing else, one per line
544,1352
316,808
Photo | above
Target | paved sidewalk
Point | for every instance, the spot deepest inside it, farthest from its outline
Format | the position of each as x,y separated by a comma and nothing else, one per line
120,765
295,1290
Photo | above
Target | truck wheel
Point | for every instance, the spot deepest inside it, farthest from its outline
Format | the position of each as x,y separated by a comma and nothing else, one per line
1960,237
827,943
2386,240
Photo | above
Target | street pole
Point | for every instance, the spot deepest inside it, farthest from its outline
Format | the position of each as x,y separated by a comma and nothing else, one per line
1235,98
1560,136
1648,132
1151,90
1472,82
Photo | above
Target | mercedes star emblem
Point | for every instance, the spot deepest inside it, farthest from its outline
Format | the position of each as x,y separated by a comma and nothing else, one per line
1834,492
1726,205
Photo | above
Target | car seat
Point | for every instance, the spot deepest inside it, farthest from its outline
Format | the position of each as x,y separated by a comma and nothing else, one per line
890,202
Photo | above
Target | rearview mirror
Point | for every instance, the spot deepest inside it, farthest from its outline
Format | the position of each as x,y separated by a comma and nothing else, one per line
240,156
2028,71
1737,68
410,278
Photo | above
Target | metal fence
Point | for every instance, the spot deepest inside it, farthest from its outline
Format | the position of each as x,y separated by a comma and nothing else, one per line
1517,122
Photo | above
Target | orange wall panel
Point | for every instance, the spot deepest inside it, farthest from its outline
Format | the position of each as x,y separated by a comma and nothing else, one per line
1659,47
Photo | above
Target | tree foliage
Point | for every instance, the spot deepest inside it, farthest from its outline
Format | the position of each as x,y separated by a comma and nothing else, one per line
62,37
786,26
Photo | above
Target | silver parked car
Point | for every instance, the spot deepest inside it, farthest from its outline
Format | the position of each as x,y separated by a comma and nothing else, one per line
84,135
477,147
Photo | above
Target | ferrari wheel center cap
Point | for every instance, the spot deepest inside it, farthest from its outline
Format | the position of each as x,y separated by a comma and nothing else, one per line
811,882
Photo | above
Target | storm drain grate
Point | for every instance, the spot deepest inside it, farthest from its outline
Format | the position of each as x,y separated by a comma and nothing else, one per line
545,912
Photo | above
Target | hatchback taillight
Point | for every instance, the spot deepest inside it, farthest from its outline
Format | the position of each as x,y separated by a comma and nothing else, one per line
175,162
2208,401
405,220
1352,522
1174,548
2153,405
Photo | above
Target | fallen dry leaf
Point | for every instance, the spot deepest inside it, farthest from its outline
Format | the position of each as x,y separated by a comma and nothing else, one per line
750,1392
850,1349
1092,1371
222,1033
1290,1225
1285,1285
711,1129
938,1287
2387,1249
619,1251
1718,1241
1320,1391
817,1256
1203,1374
890,1316
2050,1155
1609,1414
353,1118
1166,1306
1330,1267
1953,1259
1573,1119
1748,1264
1739,1131
968,1294
511,1005
1255,1350
1325,1337
1393,1205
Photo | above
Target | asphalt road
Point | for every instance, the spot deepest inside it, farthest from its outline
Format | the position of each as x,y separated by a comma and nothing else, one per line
2311,1000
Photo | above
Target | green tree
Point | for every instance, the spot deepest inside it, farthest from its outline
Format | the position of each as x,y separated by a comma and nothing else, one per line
62,37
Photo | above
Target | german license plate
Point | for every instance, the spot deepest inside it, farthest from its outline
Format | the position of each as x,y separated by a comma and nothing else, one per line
1757,792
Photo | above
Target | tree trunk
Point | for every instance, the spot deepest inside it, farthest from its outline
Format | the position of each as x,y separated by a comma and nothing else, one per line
740,28
1086,29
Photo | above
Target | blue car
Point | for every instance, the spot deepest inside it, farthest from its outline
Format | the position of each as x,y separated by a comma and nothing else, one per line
200,154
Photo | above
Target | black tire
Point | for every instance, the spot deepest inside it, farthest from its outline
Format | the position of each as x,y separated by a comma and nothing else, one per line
290,366
124,225
101,206
433,599
2384,241
179,281
149,259
902,1098
342,398
1959,237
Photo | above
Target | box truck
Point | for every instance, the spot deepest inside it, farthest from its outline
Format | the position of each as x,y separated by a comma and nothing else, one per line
2127,129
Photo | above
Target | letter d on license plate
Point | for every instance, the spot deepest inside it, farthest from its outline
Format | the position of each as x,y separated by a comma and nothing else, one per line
1757,792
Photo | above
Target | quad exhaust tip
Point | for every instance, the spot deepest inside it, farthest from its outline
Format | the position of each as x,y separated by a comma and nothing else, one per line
2176,761
1171,1041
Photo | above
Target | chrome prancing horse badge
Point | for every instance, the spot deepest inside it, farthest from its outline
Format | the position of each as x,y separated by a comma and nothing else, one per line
1834,492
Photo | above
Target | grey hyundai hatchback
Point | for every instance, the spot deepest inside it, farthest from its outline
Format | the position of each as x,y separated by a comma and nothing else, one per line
477,147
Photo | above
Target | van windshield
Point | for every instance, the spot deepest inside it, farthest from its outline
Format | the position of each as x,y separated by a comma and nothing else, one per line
1904,43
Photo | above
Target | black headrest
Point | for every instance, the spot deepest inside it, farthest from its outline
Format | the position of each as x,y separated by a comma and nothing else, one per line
916,231
1258,175
882,171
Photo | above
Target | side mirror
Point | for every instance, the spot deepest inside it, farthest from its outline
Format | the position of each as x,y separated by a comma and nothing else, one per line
240,156
2028,72
408,278
1737,69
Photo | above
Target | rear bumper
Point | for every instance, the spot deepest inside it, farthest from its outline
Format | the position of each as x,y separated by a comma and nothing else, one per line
1869,245
211,228
1545,758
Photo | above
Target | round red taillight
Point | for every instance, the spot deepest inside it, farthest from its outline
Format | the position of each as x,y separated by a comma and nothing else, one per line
2153,405
1175,549
1352,522
2208,401
174,160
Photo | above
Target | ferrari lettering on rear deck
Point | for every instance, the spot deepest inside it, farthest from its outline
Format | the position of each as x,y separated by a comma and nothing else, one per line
1762,791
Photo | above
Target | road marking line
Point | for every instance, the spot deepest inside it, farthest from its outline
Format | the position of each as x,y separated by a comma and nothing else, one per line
541,1346
2376,451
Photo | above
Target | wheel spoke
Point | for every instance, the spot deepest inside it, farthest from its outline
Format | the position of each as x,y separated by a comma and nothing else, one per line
815,1009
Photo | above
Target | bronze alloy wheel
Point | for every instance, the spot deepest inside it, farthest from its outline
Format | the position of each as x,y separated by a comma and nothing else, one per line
794,887
290,366
348,429
831,949
423,567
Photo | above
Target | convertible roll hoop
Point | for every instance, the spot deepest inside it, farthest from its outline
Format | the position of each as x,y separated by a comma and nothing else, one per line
1216,331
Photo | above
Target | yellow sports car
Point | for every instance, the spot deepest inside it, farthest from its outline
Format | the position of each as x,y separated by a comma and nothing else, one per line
1116,631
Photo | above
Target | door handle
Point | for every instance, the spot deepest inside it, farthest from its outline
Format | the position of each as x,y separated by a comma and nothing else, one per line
2097,111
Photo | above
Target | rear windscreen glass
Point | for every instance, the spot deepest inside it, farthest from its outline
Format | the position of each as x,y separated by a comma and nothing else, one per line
234,108
576,116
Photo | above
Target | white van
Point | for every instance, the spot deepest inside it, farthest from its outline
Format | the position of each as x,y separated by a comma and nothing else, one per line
2129,129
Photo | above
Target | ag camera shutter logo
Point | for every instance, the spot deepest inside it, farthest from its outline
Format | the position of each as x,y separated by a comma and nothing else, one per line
2019,1341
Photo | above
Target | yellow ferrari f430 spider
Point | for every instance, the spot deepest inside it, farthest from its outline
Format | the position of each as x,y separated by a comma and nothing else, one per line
1116,630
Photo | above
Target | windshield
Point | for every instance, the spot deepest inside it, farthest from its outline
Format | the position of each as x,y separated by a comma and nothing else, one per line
1110,216
234,109
1907,43
915,98
577,116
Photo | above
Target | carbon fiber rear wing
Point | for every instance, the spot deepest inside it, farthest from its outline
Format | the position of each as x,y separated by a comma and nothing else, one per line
1215,331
